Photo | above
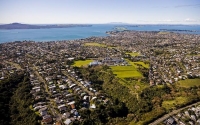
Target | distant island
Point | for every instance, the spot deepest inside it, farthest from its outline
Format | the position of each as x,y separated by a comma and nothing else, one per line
28,26
120,28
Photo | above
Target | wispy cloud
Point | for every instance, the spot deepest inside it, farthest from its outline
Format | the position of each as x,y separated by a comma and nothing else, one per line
189,5
167,20
178,6
190,20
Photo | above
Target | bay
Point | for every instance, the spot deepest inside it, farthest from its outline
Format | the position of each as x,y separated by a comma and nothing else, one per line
73,33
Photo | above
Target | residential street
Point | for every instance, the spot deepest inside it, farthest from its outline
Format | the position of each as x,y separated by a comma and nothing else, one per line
171,113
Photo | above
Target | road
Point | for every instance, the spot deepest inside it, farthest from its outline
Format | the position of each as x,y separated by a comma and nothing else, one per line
78,83
41,79
171,113
55,113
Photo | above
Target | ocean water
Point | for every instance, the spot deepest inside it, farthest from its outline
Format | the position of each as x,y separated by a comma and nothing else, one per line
73,33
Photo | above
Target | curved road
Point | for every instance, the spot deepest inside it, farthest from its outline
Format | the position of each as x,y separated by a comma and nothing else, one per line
171,113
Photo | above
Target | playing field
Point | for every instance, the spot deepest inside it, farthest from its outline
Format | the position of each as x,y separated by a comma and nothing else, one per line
189,83
126,71
80,63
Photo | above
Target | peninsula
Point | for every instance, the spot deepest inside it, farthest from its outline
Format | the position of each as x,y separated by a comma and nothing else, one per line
29,26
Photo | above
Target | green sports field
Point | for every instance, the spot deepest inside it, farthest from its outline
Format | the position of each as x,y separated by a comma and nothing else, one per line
129,71
126,71
80,63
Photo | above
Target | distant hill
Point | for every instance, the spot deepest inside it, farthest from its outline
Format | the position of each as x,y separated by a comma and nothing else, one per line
117,23
28,26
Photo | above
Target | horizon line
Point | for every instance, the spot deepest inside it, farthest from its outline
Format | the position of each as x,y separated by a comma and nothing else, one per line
110,23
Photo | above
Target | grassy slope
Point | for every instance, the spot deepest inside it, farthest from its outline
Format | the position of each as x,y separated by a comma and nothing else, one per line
142,63
169,104
189,82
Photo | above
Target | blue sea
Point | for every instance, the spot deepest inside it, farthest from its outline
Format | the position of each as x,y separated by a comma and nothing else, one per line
73,33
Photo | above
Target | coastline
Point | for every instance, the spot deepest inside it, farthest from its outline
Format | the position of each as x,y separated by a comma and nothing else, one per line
30,26
75,33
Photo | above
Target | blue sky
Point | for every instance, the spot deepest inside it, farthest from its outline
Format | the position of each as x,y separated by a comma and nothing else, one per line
100,11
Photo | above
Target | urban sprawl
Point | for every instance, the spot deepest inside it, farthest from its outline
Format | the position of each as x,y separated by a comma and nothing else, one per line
59,90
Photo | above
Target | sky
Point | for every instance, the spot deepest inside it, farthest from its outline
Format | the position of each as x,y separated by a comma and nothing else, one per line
100,11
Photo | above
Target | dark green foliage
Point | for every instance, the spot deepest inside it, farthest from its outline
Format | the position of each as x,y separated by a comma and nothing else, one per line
7,87
15,102
102,113
150,93
146,107
21,114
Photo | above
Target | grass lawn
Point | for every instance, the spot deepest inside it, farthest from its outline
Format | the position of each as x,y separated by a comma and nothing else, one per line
134,54
142,63
189,83
172,103
80,63
135,63
94,44
128,71
131,71
125,71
